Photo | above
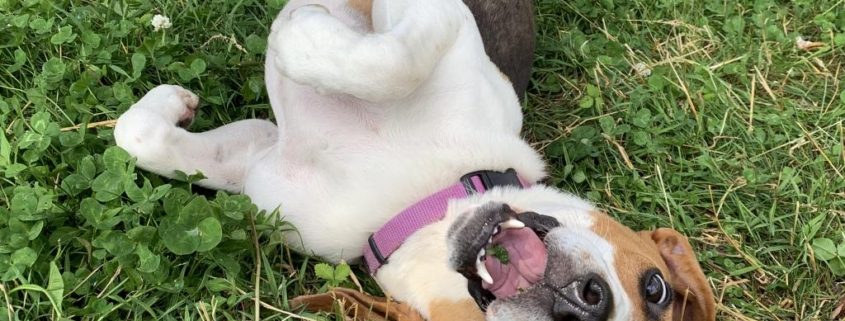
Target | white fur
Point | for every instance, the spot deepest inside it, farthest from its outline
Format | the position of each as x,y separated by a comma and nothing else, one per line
341,166
369,120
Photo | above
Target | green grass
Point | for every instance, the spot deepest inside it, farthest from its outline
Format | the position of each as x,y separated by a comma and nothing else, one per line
735,139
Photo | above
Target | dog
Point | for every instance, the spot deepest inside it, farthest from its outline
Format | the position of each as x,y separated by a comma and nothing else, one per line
398,139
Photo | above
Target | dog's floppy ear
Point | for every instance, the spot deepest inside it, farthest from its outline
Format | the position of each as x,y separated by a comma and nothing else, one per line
694,299
356,306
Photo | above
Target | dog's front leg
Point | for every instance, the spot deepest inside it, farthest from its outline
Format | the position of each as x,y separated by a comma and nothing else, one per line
314,48
149,131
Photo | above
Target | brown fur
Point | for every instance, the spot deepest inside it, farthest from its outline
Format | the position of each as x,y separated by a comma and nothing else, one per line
668,251
357,306
464,310
365,7
693,297
634,255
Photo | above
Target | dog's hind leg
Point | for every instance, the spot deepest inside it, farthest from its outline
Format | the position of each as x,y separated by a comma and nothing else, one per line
150,131
315,48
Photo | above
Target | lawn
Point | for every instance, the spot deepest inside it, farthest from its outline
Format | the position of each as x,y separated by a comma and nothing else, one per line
707,116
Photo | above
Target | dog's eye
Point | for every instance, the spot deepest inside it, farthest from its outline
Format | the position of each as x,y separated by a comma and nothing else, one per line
655,289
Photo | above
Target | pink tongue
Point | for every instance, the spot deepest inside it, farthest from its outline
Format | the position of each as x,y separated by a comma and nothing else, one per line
527,262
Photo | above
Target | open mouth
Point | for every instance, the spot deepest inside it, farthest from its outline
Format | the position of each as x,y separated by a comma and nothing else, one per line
516,260
512,259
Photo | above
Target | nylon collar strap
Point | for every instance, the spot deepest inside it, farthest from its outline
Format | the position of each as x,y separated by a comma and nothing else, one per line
392,234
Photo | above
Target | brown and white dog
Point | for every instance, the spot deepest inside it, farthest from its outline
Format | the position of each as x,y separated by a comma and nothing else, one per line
381,103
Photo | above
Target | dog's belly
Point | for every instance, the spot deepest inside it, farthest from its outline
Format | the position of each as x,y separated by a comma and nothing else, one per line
334,199
338,199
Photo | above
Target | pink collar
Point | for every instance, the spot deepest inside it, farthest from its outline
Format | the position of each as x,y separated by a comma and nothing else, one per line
429,210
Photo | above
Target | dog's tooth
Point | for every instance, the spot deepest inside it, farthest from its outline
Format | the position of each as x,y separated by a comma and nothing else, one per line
512,224
482,253
482,272
496,230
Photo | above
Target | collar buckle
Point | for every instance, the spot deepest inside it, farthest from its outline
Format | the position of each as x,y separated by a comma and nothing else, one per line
490,179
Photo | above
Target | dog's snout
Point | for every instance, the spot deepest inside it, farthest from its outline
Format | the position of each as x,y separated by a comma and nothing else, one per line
585,299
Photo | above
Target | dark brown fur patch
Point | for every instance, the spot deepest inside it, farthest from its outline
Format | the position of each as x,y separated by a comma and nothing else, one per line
507,29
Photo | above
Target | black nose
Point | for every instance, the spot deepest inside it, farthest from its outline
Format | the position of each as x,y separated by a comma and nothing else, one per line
585,299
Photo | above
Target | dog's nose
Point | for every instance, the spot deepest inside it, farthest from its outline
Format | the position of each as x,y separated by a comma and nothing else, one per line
585,299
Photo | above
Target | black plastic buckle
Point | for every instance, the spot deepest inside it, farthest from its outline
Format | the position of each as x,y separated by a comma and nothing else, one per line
489,179
376,252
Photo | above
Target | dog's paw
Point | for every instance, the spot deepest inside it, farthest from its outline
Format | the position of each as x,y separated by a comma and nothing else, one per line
305,47
145,129
175,104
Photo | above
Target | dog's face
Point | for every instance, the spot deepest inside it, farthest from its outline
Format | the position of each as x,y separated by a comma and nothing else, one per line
529,266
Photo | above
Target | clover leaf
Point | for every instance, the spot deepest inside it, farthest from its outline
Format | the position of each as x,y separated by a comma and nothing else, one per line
98,215
148,261
824,248
192,229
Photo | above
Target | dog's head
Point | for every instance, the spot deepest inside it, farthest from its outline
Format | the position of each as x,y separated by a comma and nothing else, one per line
529,266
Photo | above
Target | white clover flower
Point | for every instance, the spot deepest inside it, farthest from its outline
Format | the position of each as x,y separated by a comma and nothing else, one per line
161,22
642,69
